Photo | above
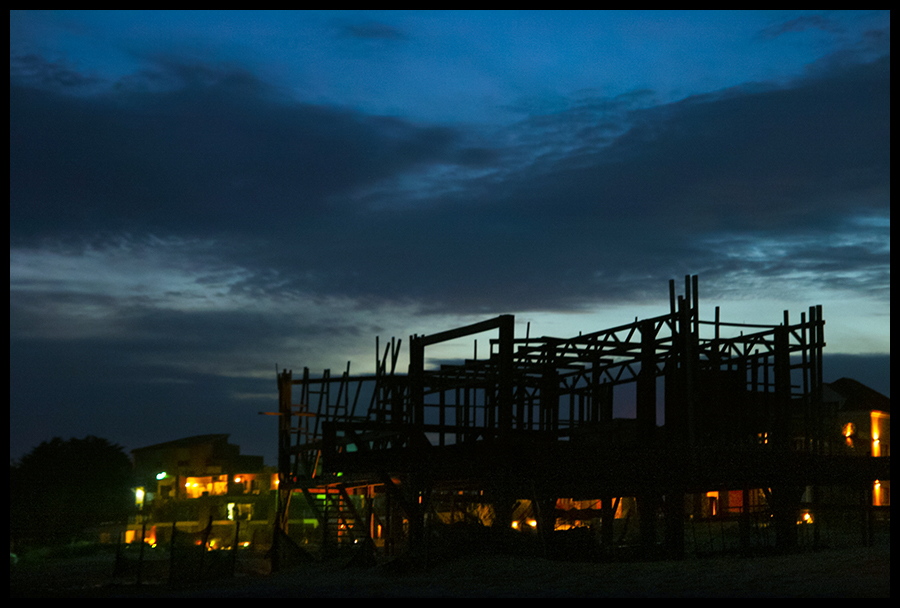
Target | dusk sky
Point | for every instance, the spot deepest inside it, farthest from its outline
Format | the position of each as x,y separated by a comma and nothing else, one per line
197,197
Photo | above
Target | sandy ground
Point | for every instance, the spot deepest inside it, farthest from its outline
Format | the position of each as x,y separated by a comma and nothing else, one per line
848,572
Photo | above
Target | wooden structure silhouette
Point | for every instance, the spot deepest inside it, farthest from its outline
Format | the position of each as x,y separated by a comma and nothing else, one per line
742,408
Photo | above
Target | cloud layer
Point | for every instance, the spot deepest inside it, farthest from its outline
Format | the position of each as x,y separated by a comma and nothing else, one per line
337,203
176,232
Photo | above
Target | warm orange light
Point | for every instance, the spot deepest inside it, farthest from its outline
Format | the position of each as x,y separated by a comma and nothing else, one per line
880,422
150,538
805,518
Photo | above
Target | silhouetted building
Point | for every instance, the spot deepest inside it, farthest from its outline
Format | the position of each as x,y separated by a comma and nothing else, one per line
202,484
753,445
863,416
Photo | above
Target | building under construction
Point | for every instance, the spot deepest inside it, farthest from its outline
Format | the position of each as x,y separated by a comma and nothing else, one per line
730,425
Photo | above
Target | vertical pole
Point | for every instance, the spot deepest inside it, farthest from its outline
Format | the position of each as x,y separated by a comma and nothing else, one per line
506,382
782,415
141,552
745,520
646,382
695,290
284,466
687,357
417,380
234,547
649,498
672,309
786,496
549,388
608,514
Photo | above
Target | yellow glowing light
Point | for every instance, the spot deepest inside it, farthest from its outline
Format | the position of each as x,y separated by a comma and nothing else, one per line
532,523
515,525
880,422
805,518
877,495
237,480
848,429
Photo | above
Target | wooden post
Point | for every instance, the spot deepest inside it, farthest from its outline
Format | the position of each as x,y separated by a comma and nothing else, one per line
505,383
417,380
646,383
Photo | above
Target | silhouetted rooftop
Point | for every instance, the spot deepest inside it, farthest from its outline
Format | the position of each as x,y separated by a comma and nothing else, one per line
858,396
187,441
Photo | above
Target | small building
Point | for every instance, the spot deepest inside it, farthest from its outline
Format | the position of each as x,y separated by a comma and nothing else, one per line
863,416
202,486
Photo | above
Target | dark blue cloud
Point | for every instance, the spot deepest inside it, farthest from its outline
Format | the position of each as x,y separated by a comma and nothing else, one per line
373,30
221,152
600,201
340,203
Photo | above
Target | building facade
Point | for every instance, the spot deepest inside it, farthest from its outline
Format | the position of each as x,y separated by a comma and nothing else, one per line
203,489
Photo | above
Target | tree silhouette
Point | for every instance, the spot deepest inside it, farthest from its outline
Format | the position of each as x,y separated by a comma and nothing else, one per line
60,488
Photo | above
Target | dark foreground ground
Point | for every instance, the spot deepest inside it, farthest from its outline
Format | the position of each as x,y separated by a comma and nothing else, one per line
846,572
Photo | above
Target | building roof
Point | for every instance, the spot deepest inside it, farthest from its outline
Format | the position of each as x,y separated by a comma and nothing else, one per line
186,442
858,396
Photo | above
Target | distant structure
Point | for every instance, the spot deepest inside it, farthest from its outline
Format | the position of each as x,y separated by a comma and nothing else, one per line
204,490
864,417
523,441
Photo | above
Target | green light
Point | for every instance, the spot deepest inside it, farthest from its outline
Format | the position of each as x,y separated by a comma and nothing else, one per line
161,476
